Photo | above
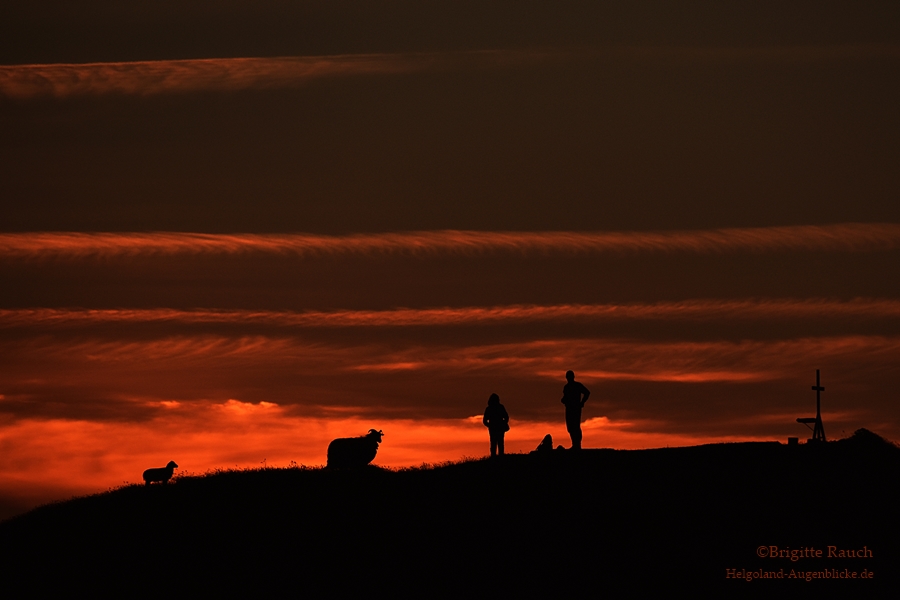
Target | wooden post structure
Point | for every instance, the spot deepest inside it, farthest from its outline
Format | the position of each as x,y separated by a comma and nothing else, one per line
818,429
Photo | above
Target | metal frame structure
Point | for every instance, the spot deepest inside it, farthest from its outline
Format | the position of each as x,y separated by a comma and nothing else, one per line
818,429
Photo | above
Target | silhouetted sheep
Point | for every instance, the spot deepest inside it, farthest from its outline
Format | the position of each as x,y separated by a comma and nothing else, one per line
354,452
164,474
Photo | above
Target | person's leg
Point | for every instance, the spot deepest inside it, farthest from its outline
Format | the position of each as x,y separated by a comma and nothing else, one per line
493,446
500,444
576,438
573,425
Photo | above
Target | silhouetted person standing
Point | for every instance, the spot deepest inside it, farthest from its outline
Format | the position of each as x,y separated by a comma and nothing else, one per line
574,397
496,420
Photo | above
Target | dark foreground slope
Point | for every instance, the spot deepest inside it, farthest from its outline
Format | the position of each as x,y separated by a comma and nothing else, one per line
596,521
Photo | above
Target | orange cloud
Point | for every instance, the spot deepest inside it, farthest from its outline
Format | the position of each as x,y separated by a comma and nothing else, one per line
168,76
144,78
229,74
845,237
680,361
694,310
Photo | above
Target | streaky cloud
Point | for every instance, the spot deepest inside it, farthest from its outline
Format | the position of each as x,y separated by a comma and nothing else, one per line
632,360
842,237
144,78
694,310
182,357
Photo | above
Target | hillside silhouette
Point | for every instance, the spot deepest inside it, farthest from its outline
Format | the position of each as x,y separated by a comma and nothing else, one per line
586,522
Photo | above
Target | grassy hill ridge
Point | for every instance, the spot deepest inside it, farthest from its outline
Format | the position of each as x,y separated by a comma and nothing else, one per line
635,520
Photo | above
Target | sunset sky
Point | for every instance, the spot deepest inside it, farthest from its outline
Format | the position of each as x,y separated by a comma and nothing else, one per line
231,231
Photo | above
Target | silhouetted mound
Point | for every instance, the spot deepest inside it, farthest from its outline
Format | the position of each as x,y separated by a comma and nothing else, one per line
864,439
620,522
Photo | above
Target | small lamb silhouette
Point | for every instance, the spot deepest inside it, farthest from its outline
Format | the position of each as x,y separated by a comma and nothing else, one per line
354,452
164,474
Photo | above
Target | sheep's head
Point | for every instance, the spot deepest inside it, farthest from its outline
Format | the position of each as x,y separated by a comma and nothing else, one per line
375,435
171,465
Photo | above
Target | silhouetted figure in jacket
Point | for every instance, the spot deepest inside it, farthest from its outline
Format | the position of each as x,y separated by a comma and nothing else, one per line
496,420
574,397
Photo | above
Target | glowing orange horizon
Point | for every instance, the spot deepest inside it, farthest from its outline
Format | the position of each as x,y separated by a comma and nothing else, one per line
82,457
51,458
